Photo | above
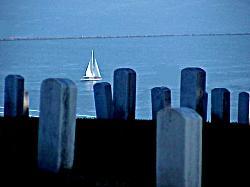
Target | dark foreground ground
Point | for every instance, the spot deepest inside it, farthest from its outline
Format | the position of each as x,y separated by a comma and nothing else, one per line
119,154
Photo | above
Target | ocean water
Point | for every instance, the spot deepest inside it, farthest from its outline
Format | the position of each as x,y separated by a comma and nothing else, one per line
157,62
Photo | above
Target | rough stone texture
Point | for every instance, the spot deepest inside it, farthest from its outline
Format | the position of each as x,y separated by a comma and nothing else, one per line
193,90
124,91
160,98
205,100
26,103
103,100
13,96
178,148
220,106
243,109
57,124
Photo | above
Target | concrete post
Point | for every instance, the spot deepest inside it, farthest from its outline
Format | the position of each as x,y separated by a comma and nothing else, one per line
13,96
26,104
103,100
124,91
220,106
243,109
193,90
57,124
160,98
178,148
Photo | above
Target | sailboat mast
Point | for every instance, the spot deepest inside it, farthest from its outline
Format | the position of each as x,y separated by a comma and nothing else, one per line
92,62
93,56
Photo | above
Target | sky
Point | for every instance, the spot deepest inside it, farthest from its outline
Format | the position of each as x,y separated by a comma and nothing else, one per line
32,18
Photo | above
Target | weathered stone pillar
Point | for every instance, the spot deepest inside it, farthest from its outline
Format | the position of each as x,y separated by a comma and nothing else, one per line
103,100
57,124
205,100
124,91
193,90
243,108
160,98
13,96
179,148
26,104
220,106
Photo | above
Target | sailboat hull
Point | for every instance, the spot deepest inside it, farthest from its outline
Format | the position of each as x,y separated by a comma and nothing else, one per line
91,79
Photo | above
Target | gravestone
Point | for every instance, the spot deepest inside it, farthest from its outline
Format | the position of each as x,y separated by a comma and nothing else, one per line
220,106
243,109
103,100
124,91
193,90
26,103
57,120
13,96
160,98
178,148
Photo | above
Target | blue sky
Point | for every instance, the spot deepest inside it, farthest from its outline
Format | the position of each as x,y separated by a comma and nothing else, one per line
121,17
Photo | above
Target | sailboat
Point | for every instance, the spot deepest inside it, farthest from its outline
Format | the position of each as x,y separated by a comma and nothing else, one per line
92,72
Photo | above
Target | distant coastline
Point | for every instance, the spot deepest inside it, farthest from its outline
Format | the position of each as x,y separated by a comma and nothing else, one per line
17,38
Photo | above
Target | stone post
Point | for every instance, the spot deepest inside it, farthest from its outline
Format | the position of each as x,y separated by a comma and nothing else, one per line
26,104
243,108
13,96
193,90
56,136
220,106
205,100
160,98
103,100
178,148
124,91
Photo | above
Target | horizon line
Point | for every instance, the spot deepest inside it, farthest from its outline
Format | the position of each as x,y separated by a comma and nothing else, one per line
22,38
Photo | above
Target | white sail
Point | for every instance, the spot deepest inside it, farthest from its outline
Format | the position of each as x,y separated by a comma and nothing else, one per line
96,70
88,72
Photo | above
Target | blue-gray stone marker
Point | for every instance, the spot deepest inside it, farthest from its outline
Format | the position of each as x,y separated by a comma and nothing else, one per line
205,100
220,106
178,148
193,90
243,108
160,98
26,103
103,100
13,96
57,120
124,91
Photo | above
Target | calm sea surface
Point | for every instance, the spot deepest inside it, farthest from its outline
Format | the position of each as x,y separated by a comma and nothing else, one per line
157,62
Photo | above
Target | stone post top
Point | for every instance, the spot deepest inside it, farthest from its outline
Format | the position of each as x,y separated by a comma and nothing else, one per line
183,112
161,88
193,69
246,94
60,81
188,112
220,90
101,84
14,76
125,70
